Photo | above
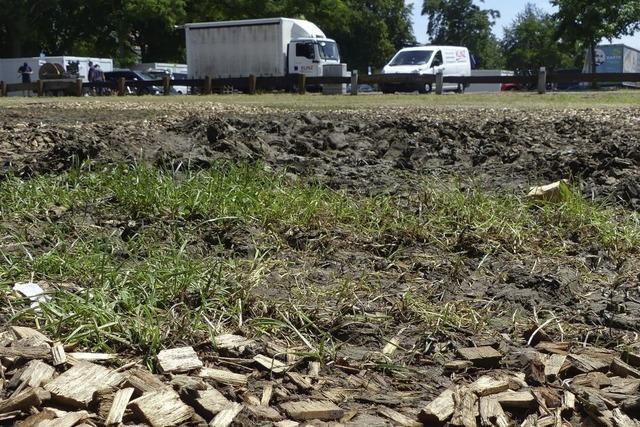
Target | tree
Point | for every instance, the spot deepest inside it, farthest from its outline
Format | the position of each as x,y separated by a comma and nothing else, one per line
460,22
589,21
530,42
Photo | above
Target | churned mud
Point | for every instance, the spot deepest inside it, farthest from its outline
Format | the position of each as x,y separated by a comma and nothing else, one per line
390,151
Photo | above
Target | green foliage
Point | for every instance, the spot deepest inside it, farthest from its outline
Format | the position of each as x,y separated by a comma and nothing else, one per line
460,22
368,31
589,21
530,42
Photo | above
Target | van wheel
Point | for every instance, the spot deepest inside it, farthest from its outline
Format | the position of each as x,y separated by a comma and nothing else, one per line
460,88
427,88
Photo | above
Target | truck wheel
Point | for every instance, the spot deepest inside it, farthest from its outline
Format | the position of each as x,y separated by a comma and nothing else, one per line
385,89
425,89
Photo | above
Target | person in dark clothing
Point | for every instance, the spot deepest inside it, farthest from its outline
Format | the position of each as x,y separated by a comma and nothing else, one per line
25,71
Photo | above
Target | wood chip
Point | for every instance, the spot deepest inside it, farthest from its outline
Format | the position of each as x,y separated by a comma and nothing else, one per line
58,355
286,423
585,363
264,412
632,359
230,341
391,346
120,402
182,359
161,408
266,394
223,377
76,386
302,382
623,369
398,418
24,332
35,419
27,348
553,365
491,413
273,365
620,419
226,416
466,408
90,357
68,420
308,410
103,401
516,399
457,365
439,410
210,402
486,357
143,381
568,404
250,399
33,375
486,385
554,347
314,369
24,400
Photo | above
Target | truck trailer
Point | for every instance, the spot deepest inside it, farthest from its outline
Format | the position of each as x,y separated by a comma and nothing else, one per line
272,47
615,58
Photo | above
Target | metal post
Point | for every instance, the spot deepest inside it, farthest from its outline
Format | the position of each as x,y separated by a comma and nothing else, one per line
542,81
439,82
207,86
354,82
4,89
252,84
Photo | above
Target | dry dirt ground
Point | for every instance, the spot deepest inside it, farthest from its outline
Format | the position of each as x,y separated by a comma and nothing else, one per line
389,151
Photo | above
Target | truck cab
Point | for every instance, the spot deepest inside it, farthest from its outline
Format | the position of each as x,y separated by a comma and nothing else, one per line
308,55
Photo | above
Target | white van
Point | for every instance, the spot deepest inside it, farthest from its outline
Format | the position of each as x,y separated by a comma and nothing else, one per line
452,60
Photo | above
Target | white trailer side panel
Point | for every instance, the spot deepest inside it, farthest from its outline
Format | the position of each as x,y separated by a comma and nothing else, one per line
236,50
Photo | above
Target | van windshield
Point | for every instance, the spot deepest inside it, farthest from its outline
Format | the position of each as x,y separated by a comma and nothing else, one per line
328,50
411,57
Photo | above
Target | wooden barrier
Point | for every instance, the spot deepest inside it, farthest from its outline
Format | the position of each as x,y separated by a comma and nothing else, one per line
121,86
300,82
252,84
166,85
542,81
439,83
78,87
354,82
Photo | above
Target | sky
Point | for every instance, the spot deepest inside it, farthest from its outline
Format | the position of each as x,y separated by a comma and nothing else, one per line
508,10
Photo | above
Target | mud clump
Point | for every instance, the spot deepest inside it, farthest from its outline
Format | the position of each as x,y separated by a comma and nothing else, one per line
361,151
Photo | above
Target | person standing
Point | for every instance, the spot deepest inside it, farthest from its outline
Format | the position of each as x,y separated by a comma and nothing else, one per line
25,72
91,78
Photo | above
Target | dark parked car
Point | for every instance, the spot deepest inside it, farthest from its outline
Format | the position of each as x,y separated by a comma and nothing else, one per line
130,75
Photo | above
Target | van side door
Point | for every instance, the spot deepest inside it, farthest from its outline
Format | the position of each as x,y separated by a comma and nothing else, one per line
437,62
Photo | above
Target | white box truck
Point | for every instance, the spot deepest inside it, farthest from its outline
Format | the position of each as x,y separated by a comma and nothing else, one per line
272,47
